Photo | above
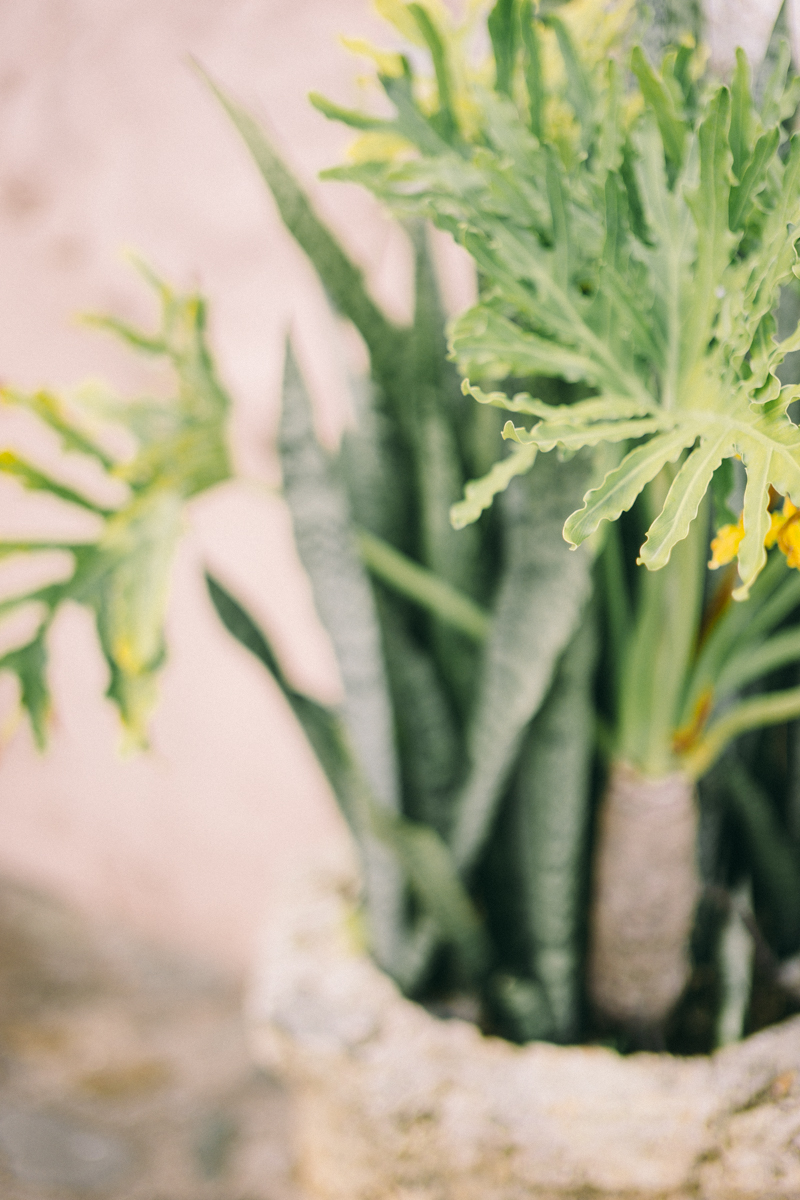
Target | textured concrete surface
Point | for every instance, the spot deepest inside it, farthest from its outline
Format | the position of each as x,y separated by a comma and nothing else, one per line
124,1073
391,1101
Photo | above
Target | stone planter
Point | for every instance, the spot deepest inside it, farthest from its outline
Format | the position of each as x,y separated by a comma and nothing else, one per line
391,1102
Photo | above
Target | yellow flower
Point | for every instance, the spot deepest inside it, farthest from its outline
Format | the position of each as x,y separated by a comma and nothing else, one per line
788,534
784,531
725,546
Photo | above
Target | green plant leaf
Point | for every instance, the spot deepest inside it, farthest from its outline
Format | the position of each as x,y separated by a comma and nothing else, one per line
502,24
774,866
633,267
479,493
541,597
420,852
661,101
327,547
446,122
709,205
326,542
122,574
741,115
623,484
552,797
342,280
579,89
416,583
534,81
429,741
29,664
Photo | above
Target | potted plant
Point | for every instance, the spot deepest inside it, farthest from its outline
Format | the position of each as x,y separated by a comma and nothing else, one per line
463,754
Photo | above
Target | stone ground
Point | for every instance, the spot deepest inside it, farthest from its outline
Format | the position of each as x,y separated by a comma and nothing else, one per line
124,1073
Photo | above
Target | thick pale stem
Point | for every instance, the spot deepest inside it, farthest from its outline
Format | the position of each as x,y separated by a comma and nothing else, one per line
646,886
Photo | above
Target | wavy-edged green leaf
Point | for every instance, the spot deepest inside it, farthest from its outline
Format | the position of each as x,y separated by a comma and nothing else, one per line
672,128
479,493
52,411
709,204
683,501
623,484
489,346
122,573
31,477
534,79
411,122
578,414
29,664
548,434
542,594
741,115
579,88
348,116
446,122
754,178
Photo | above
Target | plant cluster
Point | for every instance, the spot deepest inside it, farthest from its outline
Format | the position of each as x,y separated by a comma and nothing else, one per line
634,230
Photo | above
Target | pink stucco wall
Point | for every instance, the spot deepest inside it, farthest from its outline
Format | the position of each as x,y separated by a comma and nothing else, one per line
107,140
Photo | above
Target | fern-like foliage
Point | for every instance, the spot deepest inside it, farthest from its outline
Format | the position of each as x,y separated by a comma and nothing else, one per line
633,231
122,575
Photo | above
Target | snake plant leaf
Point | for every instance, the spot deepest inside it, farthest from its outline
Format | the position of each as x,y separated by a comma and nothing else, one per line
122,574
429,741
775,870
552,798
542,594
420,852
376,467
342,280
326,543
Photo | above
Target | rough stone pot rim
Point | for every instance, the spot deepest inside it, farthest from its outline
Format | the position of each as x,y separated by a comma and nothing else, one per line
393,1101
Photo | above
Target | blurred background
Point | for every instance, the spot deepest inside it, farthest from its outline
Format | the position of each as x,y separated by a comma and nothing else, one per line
110,140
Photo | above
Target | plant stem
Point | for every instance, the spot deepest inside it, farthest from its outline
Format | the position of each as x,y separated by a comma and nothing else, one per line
422,586
657,663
